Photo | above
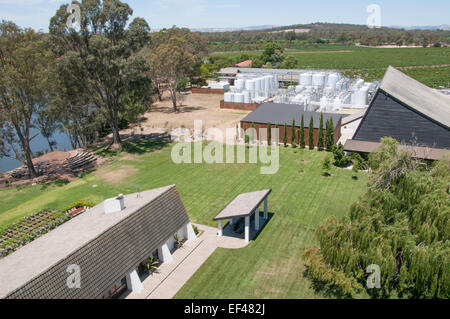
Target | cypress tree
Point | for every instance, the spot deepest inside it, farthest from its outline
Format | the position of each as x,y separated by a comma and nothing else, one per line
293,144
285,135
330,135
269,134
252,136
311,133
277,135
302,133
320,137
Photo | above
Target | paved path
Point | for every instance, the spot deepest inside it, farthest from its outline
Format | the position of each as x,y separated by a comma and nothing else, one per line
186,261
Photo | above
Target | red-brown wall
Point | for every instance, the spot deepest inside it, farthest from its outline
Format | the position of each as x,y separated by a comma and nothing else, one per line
238,106
337,132
207,91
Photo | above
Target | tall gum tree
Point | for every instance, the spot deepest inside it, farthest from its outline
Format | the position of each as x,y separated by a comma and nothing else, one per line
98,64
23,78
173,54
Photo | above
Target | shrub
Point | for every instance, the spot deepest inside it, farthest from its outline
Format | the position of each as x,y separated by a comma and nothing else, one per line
285,135
326,165
359,161
340,159
196,231
78,204
269,134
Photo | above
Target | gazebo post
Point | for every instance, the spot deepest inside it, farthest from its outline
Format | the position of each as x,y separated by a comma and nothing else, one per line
220,228
247,229
257,219
266,208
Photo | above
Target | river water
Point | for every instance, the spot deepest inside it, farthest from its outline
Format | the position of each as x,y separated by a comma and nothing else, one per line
38,144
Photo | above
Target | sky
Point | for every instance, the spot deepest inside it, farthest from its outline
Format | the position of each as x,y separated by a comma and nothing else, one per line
242,13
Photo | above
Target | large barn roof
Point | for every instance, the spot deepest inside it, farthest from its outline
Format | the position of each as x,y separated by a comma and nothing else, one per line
416,95
280,114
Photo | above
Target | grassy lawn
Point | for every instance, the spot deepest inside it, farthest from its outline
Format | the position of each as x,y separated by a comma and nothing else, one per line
271,266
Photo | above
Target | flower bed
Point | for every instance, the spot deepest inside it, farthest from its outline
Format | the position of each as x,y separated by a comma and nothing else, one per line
31,227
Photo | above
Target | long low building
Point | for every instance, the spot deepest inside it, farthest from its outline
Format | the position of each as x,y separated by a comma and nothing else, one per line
280,114
408,111
103,248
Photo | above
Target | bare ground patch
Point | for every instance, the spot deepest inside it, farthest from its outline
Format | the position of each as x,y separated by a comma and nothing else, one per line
116,176
205,107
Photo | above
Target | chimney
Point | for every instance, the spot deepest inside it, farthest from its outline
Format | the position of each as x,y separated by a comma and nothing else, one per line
114,205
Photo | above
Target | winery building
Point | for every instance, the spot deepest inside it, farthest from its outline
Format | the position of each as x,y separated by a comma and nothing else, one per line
280,114
104,247
408,111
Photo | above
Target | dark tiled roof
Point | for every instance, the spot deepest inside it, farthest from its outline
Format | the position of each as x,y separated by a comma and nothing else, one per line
280,114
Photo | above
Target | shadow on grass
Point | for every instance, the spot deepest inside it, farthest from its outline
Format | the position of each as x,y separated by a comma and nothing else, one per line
58,183
228,232
266,222
326,289
138,145
144,146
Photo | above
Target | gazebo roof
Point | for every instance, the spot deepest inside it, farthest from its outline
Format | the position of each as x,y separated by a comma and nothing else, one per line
243,205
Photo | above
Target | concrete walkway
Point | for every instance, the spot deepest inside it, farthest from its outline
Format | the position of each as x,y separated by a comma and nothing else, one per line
186,261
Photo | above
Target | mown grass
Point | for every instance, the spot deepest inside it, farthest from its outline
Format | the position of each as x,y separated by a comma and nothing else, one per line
271,266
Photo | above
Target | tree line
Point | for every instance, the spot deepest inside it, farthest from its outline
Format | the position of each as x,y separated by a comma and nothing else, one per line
322,33
88,80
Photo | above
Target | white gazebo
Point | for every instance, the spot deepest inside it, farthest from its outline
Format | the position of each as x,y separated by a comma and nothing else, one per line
245,206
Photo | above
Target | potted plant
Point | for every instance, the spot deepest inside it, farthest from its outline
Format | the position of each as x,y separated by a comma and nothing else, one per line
178,241
152,265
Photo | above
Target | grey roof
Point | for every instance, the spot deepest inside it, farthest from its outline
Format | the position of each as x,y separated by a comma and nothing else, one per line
354,117
416,95
276,113
417,152
43,253
243,205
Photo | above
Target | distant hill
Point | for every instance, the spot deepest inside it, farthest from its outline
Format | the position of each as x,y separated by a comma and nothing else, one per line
445,27
211,30
317,25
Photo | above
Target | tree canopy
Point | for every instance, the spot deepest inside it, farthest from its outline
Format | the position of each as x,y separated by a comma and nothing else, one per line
97,65
23,80
400,224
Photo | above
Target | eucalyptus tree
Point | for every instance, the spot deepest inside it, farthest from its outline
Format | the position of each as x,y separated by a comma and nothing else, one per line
23,79
97,64
173,55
